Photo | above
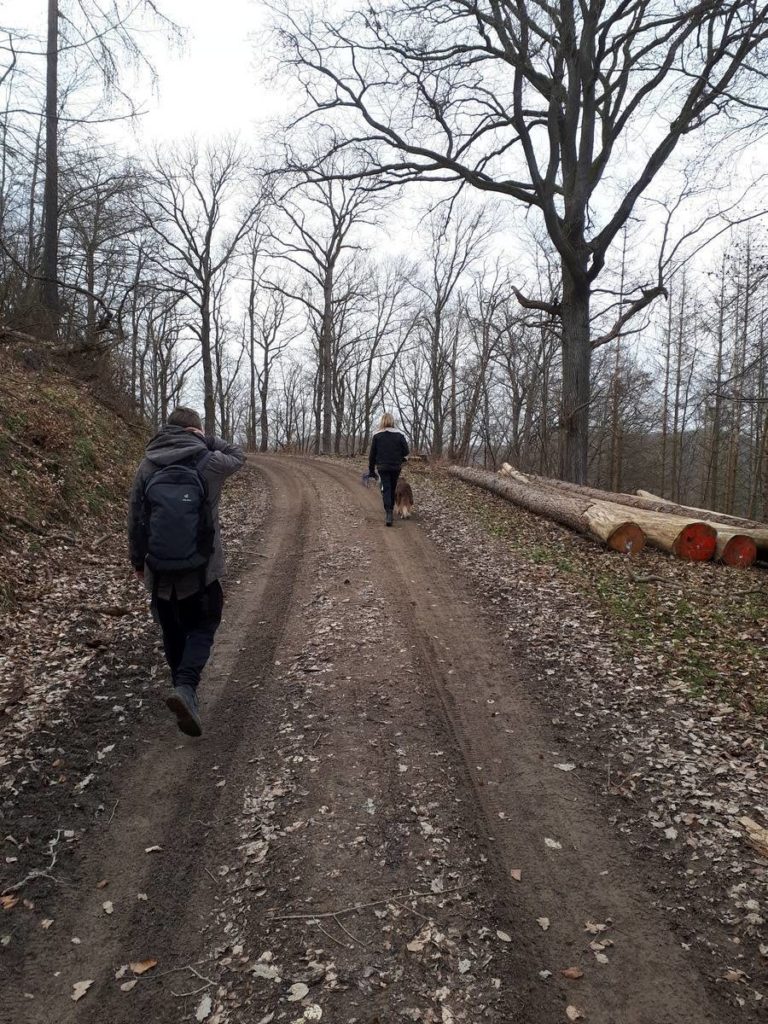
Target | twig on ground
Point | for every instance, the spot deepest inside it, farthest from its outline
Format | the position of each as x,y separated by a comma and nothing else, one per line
194,992
346,932
175,970
412,911
364,906
113,811
329,936
212,876
38,872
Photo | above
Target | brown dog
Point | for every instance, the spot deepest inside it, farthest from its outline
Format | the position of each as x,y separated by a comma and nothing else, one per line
403,499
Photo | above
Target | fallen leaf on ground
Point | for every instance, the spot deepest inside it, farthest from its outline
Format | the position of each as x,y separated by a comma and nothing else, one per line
107,905
128,985
572,973
552,844
543,923
142,966
573,1013
594,928
8,902
297,992
152,849
565,767
80,988
46,924
268,971
204,1008
503,936
735,975
757,836
102,884
516,873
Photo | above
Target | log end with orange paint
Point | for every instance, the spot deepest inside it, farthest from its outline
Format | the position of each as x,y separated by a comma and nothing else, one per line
696,542
740,551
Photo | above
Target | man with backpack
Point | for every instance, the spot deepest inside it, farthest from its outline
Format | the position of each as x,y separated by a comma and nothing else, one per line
175,547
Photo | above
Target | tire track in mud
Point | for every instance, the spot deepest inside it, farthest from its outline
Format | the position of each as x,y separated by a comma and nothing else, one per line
509,756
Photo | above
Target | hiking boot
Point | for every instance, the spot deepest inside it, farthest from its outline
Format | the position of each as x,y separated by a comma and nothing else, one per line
389,517
183,703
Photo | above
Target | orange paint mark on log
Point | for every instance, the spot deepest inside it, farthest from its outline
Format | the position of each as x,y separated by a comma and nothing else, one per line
740,551
629,539
696,542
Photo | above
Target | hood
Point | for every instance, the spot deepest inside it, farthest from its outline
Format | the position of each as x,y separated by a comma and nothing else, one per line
173,444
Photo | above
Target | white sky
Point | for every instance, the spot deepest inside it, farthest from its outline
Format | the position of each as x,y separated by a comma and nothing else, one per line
213,85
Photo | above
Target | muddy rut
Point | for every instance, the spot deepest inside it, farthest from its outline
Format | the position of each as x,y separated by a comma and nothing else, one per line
377,826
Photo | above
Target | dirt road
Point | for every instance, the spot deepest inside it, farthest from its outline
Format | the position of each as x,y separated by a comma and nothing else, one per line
368,745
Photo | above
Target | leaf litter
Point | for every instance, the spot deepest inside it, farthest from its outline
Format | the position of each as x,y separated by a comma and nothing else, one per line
668,687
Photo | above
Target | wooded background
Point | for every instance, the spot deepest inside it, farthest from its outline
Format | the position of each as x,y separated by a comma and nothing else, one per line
297,284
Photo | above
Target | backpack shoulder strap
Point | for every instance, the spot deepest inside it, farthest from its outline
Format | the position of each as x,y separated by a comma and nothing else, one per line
203,460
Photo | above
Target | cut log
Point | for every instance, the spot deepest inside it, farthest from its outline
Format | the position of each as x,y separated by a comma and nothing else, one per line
736,549
732,546
707,513
599,520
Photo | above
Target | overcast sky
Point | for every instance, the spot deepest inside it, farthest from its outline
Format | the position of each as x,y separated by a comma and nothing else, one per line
214,84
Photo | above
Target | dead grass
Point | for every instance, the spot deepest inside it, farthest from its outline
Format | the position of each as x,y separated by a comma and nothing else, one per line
66,462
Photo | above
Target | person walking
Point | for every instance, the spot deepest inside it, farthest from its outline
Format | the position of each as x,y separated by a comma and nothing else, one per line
175,547
389,450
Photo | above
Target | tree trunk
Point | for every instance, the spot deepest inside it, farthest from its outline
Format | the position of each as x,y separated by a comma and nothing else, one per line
601,521
665,528
209,391
32,220
264,396
50,288
577,355
326,358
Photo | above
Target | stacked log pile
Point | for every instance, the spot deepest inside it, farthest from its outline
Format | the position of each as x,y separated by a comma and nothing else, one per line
624,522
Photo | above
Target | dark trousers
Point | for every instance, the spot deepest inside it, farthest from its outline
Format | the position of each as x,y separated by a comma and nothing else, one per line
388,478
189,625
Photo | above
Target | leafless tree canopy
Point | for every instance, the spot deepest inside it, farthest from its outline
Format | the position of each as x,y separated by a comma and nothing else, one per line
468,223
569,109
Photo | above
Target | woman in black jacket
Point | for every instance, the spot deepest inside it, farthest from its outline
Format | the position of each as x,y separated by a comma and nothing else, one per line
389,450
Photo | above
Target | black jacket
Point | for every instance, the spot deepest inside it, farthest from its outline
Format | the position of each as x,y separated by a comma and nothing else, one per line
170,445
389,450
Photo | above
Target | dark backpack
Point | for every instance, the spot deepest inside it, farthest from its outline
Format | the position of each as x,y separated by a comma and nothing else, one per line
178,522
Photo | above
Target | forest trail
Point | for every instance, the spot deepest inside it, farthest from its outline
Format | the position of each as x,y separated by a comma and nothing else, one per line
367,741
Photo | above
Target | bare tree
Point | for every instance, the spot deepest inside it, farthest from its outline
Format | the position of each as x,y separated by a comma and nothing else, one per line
103,34
200,209
317,239
537,101
457,236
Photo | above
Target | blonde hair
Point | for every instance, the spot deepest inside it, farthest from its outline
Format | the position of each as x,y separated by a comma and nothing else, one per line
387,420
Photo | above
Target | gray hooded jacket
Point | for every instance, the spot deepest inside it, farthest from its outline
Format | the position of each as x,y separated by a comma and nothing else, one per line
175,444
